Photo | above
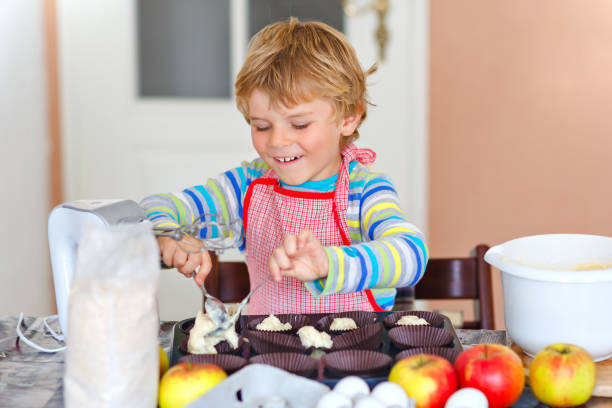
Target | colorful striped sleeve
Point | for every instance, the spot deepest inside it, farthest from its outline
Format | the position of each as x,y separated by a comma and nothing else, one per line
220,198
386,252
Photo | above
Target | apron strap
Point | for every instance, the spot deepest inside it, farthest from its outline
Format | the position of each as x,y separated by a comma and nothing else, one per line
363,156
349,153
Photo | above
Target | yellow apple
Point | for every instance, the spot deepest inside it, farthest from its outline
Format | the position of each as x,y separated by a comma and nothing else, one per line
163,362
184,382
429,379
562,375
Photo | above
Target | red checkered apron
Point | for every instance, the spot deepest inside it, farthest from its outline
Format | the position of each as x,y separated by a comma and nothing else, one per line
272,212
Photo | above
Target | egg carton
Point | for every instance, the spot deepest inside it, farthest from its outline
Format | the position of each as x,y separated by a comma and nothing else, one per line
263,386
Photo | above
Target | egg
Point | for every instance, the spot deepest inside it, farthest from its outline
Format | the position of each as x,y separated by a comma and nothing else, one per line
369,402
467,398
392,395
334,400
353,387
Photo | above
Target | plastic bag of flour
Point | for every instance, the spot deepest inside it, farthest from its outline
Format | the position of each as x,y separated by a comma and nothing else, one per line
112,356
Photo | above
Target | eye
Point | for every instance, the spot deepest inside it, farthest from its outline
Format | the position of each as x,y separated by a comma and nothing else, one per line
300,125
261,128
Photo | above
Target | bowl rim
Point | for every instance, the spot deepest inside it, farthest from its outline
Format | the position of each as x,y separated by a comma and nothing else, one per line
497,257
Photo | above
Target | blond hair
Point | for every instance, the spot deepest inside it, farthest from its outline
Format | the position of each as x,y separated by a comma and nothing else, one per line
295,62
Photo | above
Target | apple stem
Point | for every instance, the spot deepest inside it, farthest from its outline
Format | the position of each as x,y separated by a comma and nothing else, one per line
422,362
486,351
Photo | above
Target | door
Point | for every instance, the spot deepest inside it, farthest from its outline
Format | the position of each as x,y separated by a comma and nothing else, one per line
120,142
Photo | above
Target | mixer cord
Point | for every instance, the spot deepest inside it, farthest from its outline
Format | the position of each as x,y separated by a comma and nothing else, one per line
56,336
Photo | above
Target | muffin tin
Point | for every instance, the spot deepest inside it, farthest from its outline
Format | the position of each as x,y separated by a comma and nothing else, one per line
368,351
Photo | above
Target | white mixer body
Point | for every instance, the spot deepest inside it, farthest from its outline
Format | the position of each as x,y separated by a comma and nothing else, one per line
65,226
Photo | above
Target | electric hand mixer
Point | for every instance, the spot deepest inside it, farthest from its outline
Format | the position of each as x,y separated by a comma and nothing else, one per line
65,226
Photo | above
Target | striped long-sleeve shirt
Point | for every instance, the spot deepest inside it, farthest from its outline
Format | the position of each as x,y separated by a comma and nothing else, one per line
386,251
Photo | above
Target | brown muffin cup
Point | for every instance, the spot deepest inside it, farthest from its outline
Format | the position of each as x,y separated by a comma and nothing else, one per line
229,363
433,318
361,319
356,362
366,338
404,337
222,347
447,352
296,321
263,342
295,363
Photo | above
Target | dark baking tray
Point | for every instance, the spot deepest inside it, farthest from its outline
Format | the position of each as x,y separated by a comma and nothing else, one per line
323,375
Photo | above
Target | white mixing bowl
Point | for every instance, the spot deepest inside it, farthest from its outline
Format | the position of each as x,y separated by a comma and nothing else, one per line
553,294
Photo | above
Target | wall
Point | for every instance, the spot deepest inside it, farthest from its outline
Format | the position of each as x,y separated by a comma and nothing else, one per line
520,122
25,280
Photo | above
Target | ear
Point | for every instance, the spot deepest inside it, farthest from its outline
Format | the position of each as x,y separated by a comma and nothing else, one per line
350,123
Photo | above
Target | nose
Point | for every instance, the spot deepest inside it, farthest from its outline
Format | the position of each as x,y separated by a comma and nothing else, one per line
279,137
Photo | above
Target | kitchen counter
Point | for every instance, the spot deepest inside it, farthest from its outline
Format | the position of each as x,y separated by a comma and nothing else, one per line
33,379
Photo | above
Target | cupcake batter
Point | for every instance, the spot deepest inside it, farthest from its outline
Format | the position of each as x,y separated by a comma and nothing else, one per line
200,343
273,323
411,320
311,337
343,323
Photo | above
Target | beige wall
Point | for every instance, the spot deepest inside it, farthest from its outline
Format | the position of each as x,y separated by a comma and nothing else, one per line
520,122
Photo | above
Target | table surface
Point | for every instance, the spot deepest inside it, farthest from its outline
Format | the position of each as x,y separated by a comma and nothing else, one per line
32,379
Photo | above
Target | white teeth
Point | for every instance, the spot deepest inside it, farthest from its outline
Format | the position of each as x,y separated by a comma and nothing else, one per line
287,159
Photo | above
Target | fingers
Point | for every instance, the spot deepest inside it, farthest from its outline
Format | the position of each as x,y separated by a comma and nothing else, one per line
179,260
290,244
167,248
279,262
205,265
275,272
191,264
301,257
282,262
185,262
303,238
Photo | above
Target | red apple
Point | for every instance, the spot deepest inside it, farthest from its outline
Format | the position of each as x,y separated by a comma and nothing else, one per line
495,370
184,382
562,375
429,379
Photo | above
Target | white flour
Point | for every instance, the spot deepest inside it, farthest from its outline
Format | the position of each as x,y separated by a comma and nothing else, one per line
112,359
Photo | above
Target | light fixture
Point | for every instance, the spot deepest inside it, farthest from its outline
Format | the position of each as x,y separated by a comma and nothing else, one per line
381,7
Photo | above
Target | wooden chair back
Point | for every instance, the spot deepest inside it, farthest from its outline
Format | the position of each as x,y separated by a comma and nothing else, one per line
234,284
461,278
445,278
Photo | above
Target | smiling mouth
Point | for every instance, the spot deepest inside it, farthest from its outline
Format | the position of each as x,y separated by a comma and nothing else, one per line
287,159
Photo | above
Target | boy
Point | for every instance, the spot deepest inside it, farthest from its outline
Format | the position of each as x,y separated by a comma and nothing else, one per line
329,230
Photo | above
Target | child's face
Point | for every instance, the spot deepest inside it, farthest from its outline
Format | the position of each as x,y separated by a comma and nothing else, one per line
300,143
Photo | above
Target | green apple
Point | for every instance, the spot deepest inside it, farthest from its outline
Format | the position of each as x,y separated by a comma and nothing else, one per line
429,379
562,375
184,382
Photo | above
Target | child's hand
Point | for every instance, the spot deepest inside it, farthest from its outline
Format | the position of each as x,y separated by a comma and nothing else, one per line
301,257
185,262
